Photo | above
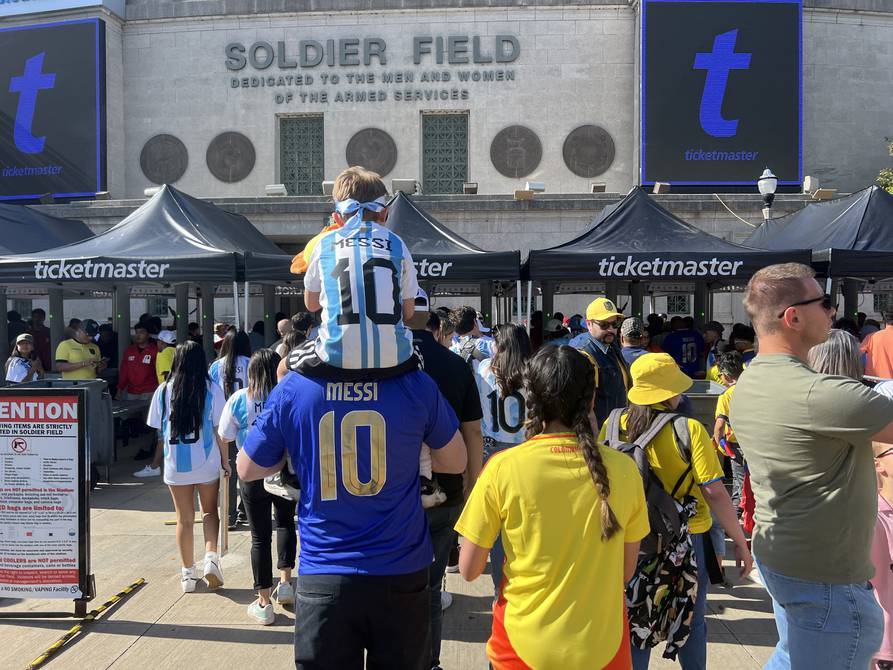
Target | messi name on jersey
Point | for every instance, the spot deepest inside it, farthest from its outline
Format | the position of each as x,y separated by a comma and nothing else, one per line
352,391
374,242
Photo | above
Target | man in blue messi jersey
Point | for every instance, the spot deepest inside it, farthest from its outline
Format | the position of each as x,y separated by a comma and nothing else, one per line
365,547
685,345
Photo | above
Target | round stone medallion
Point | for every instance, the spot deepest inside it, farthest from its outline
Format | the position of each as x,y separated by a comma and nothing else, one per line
372,149
588,151
230,157
516,151
164,159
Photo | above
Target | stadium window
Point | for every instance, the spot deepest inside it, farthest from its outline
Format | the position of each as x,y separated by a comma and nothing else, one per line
444,152
678,304
302,154
883,302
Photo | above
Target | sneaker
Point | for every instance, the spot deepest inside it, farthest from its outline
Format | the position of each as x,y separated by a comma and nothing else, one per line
446,599
453,561
265,616
148,471
187,579
284,594
432,494
212,575
144,454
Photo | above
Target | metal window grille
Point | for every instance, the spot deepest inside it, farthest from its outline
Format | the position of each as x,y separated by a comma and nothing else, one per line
677,304
883,302
302,154
157,305
444,152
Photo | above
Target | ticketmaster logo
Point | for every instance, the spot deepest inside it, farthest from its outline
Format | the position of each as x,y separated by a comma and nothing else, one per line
94,270
609,267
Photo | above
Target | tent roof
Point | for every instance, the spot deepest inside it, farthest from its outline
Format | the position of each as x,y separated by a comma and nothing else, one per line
854,233
639,239
441,254
25,230
172,237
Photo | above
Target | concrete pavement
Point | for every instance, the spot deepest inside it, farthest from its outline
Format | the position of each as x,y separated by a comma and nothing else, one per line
159,627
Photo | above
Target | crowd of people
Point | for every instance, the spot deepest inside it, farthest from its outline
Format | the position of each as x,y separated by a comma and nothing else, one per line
379,429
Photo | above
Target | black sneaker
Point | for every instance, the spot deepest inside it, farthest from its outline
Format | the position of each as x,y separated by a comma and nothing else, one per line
144,454
453,562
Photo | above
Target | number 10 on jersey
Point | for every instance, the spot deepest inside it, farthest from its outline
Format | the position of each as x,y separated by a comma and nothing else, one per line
350,474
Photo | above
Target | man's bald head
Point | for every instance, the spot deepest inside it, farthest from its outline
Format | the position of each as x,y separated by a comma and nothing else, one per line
284,327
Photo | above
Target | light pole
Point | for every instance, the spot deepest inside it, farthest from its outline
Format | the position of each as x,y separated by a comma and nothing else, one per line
767,183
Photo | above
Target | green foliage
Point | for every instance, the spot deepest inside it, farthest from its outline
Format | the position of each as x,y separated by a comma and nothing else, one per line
885,178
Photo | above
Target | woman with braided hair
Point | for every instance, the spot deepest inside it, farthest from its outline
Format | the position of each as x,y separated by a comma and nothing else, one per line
570,514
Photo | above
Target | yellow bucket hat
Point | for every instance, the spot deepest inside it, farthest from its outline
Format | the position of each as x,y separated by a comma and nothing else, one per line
602,309
656,378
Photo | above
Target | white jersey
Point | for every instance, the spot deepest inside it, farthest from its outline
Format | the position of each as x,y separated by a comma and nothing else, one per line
239,415
503,419
19,369
188,459
215,372
363,273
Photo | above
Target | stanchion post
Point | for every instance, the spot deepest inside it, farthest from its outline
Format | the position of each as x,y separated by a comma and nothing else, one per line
270,335
207,318
182,309
56,319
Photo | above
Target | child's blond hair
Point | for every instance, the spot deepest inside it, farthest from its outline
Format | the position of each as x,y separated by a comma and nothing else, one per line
358,183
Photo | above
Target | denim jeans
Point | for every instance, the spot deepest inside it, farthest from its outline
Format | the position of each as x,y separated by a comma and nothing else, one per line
693,654
440,525
821,625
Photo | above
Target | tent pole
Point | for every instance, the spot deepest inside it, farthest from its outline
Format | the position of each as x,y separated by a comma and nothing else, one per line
246,306
122,320
182,309
518,286
4,327
850,297
57,319
529,299
207,320
269,314
236,304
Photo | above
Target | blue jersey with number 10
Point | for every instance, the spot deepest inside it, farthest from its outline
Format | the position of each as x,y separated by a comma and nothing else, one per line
355,448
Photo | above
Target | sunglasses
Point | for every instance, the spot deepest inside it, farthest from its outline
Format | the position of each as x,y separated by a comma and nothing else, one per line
607,325
826,300
886,452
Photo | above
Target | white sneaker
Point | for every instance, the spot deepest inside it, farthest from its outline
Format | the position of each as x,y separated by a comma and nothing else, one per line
187,579
265,616
284,594
453,569
446,599
212,574
148,471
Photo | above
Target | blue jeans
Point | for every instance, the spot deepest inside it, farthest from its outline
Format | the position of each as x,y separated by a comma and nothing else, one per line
693,654
440,525
820,625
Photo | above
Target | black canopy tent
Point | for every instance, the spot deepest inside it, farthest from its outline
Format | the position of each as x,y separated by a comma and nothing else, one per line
26,230
639,241
850,236
443,258
173,238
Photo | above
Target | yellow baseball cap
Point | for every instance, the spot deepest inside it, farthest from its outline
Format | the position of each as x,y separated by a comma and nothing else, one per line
656,378
602,309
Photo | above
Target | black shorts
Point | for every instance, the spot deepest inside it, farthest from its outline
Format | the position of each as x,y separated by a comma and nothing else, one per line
304,360
339,617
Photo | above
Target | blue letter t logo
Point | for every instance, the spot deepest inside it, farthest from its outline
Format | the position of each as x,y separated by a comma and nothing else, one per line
27,86
718,64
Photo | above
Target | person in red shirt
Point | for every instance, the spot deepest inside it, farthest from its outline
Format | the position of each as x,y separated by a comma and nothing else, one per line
137,379
878,348
41,335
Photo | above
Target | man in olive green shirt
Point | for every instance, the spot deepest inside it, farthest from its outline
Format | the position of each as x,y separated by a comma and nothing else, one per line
807,440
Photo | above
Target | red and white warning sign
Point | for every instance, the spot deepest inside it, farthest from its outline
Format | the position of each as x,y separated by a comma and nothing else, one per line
39,524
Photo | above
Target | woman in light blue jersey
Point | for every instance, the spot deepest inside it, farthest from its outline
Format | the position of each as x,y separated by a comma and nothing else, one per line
186,411
239,416
500,382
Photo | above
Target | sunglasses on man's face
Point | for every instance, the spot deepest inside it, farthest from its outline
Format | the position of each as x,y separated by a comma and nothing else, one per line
826,300
886,452
607,325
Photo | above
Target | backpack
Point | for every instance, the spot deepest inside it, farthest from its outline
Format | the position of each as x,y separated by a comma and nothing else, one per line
660,598
663,509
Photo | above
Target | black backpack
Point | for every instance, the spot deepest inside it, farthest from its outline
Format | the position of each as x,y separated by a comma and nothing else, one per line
664,512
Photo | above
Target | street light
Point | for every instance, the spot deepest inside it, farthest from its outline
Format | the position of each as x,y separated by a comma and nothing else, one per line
767,184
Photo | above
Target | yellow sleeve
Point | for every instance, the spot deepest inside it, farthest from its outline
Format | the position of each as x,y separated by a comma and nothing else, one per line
722,405
63,351
603,433
713,374
704,460
481,520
